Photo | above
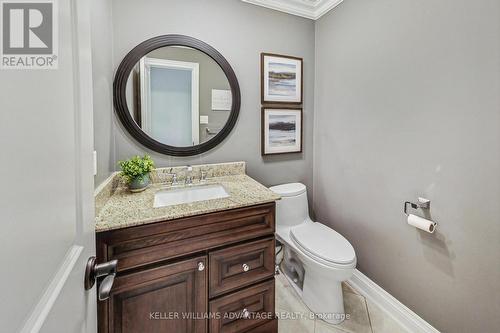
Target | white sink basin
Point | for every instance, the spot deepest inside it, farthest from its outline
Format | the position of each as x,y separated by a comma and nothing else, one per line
184,195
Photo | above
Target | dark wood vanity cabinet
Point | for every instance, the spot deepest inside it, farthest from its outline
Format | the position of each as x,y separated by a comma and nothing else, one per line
207,273
145,301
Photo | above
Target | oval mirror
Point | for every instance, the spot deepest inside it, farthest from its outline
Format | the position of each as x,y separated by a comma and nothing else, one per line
176,95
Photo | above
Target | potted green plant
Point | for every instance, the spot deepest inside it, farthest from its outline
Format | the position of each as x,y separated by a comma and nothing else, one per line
136,171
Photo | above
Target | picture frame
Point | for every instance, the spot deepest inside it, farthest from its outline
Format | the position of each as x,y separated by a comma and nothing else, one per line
281,79
281,130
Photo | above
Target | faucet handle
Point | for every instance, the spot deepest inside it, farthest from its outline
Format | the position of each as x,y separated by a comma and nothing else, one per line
189,176
203,176
174,178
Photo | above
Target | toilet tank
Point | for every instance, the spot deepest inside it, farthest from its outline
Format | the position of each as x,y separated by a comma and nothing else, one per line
293,208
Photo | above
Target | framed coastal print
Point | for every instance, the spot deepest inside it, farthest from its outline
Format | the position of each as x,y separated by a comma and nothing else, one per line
281,79
281,130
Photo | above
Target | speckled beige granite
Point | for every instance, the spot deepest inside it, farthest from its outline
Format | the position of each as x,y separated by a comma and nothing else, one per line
105,190
164,176
124,209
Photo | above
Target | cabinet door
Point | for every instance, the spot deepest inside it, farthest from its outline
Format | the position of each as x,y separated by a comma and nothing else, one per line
170,298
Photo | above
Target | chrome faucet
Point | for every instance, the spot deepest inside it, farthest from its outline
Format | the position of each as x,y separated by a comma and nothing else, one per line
174,179
163,177
189,176
203,176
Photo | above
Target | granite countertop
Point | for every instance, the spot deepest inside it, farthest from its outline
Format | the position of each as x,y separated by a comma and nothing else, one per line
125,209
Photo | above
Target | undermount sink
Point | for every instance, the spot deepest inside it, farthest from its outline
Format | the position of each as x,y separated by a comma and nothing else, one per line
177,196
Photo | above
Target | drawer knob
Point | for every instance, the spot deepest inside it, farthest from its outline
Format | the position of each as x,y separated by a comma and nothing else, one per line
246,313
201,266
246,268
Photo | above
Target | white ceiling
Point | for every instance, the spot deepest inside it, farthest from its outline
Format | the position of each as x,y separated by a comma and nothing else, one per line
311,9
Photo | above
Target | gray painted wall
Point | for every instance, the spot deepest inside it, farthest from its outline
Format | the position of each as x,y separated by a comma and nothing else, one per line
240,32
407,104
102,76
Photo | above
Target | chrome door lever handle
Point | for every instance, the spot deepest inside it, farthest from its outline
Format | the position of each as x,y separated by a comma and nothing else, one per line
105,287
94,271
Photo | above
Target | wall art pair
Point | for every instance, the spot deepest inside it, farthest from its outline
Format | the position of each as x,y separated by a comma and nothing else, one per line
281,98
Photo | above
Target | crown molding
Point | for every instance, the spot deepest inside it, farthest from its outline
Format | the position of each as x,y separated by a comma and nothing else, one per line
311,9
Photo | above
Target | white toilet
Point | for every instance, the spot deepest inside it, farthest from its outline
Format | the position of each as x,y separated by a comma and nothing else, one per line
316,258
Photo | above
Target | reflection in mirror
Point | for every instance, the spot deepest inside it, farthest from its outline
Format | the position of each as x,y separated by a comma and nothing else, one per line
179,96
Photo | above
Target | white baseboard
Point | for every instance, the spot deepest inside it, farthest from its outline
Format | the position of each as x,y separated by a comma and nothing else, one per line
398,311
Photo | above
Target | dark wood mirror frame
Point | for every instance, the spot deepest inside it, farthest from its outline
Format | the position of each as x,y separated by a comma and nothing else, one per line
120,100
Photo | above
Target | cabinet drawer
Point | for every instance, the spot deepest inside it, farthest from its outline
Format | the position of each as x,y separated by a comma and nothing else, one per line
244,310
240,266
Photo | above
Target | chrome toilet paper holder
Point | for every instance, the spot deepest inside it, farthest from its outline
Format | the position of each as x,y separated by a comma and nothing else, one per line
422,204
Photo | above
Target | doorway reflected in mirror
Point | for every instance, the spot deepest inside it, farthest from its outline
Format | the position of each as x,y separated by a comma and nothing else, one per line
179,96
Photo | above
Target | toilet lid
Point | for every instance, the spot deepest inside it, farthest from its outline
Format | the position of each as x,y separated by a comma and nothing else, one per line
323,242
289,190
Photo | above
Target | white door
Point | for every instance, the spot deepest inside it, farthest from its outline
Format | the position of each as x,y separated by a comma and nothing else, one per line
170,108
46,186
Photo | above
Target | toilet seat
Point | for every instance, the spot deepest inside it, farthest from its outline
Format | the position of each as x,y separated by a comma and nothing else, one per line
323,244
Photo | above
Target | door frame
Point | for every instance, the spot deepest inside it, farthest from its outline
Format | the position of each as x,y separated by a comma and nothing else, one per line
145,65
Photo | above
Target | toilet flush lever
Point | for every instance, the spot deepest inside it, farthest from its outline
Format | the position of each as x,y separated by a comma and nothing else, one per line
94,271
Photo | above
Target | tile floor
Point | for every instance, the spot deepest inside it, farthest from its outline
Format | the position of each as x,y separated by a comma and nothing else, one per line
365,317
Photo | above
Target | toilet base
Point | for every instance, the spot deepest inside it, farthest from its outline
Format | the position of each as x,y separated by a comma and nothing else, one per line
326,302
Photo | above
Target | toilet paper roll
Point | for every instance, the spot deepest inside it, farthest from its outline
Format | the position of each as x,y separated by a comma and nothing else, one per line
421,223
